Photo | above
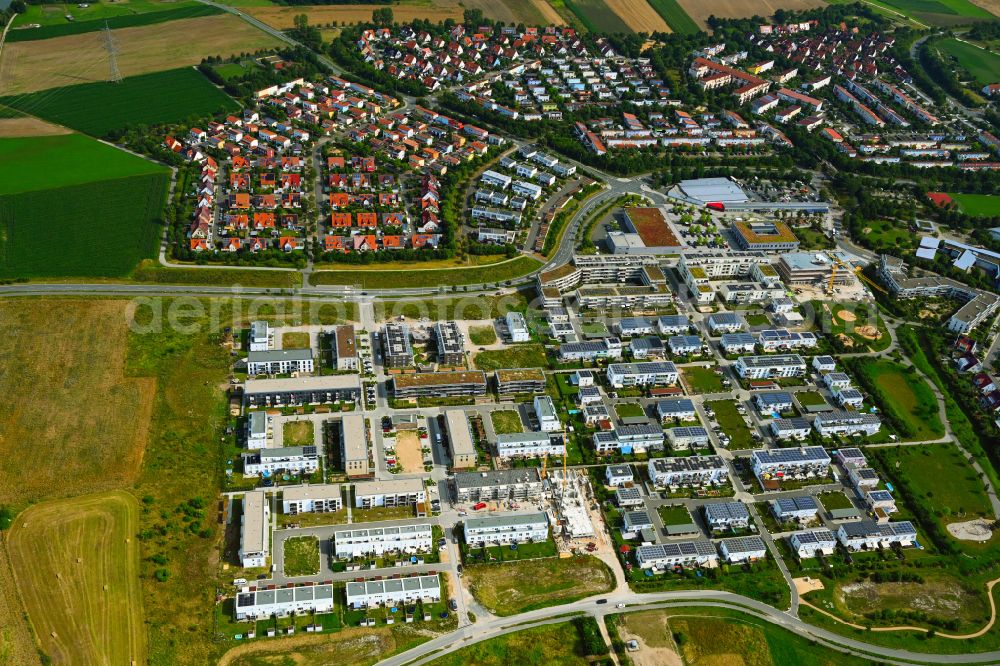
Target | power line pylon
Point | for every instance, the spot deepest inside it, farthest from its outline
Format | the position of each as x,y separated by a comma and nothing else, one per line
114,75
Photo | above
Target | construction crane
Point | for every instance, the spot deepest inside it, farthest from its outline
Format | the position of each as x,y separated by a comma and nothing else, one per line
545,462
564,468
856,270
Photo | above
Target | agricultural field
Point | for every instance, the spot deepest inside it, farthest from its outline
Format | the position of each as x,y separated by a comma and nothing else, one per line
283,17
597,16
675,16
36,65
904,396
506,421
53,22
549,645
17,645
699,11
148,99
638,15
82,403
512,588
939,12
518,356
978,205
19,127
99,229
48,162
431,277
82,552
983,66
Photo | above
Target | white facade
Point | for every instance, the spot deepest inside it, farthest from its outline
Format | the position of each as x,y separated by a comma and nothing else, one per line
847,423
867,535
742,549
350,543
687,471
261,604
505,530
294,459
259,338
530,444
255,530
793,463
767,367
621,375
396,492
395,591
517,328
679,553
320,498
548,417
810,543
279,362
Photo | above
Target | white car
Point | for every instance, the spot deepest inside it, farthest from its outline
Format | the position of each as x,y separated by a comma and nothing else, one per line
239,581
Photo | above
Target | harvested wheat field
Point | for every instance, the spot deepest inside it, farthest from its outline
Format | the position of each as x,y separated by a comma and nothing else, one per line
12,128
529,12
76,563
16,644
638,15
283,17
700,11
73,423
62,61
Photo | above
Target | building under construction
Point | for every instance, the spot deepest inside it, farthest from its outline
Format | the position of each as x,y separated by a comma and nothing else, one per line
571,494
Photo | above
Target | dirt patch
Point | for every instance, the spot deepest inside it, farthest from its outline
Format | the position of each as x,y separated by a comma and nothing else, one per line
868,332
926,314
845,340
944,598
283,17
846,315
807,584
638,15
350,646
62,61
27,126
700,10
992,6
651,632
971,530
408,452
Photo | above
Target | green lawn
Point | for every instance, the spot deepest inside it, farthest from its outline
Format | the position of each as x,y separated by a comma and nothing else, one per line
295,340
982,65
978,205
435,277
148,99
517,587
298,433
675,16
675,515
154,273
44,162
835,500
836,320
482,335
939,12
549,645
732,424
52,17
903,396
517,356
627,410
506,422
470,307
701,379
301,556
757,319
888,234
810,398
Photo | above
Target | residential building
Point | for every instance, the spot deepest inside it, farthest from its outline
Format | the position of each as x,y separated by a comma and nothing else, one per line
519,381
618,475
793,428
862,478
726,516
450,344
642,374
683,345
628,498
397,352
823,364
687,471
836,381
681,409
673,324
634,522
846,423
770,367
301,391
590,351
312,498
850,398
350,543
439,384
738,343
801,509
632,326
530,444
812,543
260,336
354,445
258,428
794,463
880,500
255,530
506,529
463,450
725,322
774,402
647,346
517,327
687,437
695,553
868,535
290,459
251,605
743,549
345,347
279,361
778,339
545,412
393,592
395,492
519,483
636,438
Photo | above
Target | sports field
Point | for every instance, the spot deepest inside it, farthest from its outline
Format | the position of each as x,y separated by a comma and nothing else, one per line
76,563
699,10
982,65
978,205
147,99
61,61
93,17
82,408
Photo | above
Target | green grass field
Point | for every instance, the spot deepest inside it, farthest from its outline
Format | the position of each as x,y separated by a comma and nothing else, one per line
596,16
675,515
626,410
675,16
435,277
983,66
52,17
810,398
836,500
101,229
732,424
889,234
518,356
46,162
517,587
82,551
301,556
978,205
506,421
939,12
550,645
905,396
701,379
482,335
147,99
154,273
297,433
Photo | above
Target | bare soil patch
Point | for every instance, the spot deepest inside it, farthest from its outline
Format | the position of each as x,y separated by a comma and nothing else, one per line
62,61
846,315
639,16
27,126
656,645
700,11
283,17
408,452
807,584
971,530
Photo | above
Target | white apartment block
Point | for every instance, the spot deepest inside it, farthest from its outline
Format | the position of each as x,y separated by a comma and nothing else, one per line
679,553
395,492
517,327
260,336
847,423
867,535
794,463
258,428
660,373
393,592
318,498
255,530
294,459
687,471
530,444
810,543
351,543
279,361
637,438
545,412
743,549
769,367
503,530
262,604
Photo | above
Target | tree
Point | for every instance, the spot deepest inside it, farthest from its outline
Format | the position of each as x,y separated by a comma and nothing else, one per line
383,16
18,7
473,17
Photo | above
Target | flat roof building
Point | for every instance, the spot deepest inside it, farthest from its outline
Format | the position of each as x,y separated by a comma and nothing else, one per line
312,498
262,604
450,343
503,530
255,530
301,391
354,445
397,352
393,592
440,384
349,543
519,483
463,451
394,492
